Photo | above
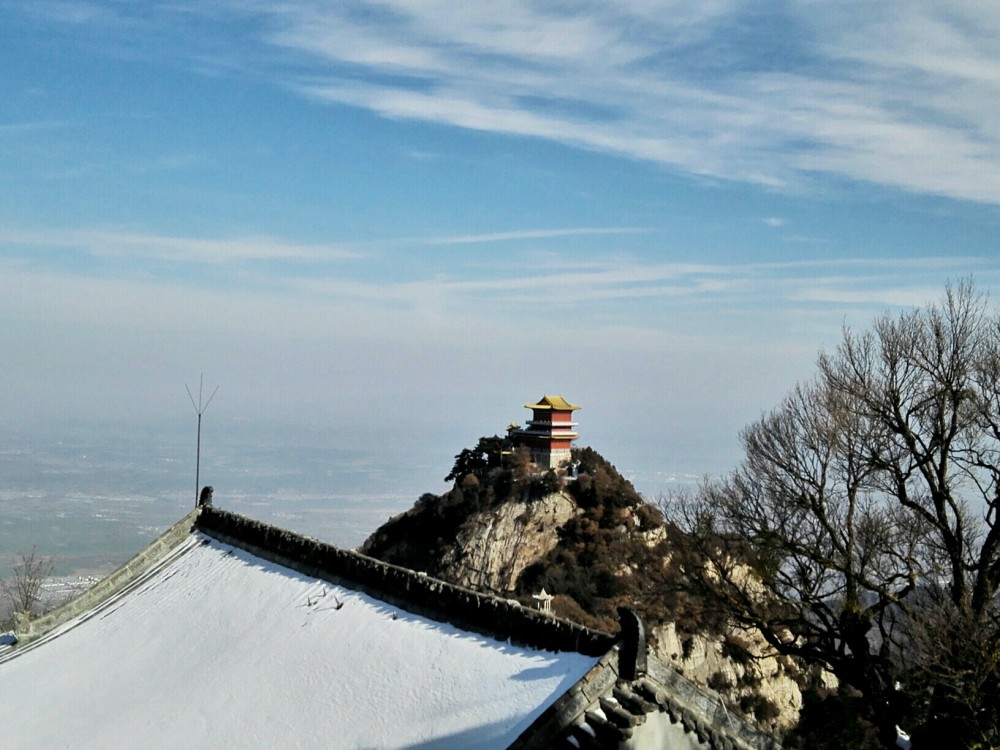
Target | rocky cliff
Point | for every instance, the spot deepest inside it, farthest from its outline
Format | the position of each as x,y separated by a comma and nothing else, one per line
511,529
592,541
492,553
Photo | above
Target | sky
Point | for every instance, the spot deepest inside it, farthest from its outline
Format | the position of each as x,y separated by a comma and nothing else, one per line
385,227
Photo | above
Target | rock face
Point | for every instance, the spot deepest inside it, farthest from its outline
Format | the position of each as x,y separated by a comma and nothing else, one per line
594,544
491,553
764,687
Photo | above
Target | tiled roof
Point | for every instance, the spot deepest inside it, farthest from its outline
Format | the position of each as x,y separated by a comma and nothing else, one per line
619,712
629,691
605,710
556,403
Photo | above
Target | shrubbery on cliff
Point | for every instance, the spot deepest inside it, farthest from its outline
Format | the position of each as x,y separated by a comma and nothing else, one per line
605,556
485,476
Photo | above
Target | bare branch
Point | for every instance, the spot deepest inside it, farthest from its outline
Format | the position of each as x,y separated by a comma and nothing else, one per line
23,589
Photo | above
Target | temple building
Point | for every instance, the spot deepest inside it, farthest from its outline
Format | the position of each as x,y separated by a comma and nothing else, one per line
549,434
228,632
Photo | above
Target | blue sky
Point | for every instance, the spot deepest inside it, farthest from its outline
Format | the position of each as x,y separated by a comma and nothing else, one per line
391,224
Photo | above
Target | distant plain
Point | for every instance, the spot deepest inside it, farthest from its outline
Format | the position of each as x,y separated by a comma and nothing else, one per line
91,497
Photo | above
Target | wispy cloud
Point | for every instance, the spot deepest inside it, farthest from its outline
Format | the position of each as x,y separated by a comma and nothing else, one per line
524,234
152,247
528,288
111,243
550,276
900,95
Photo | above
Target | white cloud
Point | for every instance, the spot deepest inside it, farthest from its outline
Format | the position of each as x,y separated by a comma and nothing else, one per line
525,234
151,247
903,95
900,95
904,296
511,290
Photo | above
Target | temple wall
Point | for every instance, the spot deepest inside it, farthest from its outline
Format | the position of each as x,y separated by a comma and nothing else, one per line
415,592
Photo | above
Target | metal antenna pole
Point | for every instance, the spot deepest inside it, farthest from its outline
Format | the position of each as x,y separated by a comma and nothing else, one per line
199,410
197,464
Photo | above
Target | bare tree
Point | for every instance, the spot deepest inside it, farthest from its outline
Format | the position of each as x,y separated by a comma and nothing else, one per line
23,589
952,660
866,509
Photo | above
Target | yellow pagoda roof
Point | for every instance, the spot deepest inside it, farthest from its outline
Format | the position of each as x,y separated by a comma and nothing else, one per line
556,403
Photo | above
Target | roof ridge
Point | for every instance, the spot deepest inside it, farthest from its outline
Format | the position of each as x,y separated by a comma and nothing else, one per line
416,592
149,559
550,401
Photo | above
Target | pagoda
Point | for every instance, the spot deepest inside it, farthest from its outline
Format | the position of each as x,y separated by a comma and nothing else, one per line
549,435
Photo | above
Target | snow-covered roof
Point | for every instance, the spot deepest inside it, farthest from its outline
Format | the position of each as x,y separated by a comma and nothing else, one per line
226,631
221,647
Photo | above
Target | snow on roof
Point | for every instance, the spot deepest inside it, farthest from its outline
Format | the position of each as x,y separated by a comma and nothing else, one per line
223,648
